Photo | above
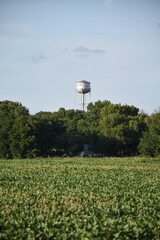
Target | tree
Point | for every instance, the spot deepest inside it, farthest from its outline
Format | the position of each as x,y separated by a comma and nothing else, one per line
111,129
9,112
50,132
5,127
150,142
22,138
124,125
93,114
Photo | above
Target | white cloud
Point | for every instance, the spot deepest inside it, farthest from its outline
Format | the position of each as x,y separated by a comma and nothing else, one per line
82,51
65,49
37,57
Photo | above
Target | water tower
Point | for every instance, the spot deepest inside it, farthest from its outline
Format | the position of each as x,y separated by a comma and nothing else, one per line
83,87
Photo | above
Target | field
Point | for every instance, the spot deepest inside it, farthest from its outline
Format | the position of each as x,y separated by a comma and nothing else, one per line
80,198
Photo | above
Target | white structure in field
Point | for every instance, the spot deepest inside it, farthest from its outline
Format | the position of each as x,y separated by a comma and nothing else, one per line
83,87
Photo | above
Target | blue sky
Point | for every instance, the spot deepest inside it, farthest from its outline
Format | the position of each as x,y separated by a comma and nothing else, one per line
46,46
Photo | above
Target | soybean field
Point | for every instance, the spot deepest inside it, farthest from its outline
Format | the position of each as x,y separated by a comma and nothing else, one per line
80,198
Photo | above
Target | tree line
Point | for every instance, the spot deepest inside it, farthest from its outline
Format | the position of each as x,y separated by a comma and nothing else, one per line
109,129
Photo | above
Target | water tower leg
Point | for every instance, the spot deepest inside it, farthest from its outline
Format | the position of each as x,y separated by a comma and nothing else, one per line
83,102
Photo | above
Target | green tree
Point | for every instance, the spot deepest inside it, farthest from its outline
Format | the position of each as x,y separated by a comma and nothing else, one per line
22,138
9,112
150,142
73,135
5,127
50,132
124,125
93,114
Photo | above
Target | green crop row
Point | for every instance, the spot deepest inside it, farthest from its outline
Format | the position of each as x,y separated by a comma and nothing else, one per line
72,198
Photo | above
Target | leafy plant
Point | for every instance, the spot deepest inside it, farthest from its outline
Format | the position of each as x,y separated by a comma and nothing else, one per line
73,198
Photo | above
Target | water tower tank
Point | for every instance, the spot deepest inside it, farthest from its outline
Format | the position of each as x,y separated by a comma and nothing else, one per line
83,87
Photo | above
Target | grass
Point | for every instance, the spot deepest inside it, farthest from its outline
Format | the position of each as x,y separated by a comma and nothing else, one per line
80,198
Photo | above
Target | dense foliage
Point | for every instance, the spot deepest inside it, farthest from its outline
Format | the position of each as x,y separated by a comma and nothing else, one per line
109,129
150,143
71,198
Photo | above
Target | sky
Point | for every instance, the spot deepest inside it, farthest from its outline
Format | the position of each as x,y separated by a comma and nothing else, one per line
46,46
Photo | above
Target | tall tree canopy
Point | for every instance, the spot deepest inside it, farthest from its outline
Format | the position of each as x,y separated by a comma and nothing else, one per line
123,126
109,129
150,142
16,131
